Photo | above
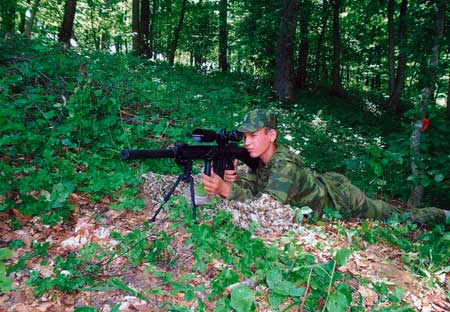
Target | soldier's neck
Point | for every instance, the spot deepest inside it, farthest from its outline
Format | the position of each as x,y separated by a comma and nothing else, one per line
265,157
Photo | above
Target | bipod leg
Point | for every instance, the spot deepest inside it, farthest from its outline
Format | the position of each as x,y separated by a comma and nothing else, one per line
167,196
194,207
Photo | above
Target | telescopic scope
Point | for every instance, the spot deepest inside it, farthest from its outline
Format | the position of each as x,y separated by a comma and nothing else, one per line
222,137
203,135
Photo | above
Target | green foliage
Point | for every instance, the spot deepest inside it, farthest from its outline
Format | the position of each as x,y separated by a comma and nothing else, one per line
425,253
242,299
138,249
85,309
5,282
225,278
340,300
71,274
331,214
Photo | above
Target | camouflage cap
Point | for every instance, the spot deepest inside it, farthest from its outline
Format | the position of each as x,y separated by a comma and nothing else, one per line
257,119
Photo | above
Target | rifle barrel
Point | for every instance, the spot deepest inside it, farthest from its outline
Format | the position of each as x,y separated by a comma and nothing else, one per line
146,153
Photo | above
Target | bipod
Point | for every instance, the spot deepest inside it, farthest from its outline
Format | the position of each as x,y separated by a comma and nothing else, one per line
186,176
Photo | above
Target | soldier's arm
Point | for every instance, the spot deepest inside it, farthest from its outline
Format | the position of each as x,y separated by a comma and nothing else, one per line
244,188
283,181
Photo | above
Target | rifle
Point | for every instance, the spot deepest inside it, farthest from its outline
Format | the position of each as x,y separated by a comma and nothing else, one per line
220,157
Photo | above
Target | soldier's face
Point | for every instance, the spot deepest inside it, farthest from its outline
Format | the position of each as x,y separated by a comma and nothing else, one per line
260,143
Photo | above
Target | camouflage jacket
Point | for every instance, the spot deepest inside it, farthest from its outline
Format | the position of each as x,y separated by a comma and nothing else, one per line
286,179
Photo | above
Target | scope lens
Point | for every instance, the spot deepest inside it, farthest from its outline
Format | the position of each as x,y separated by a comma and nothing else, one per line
203,135
235,135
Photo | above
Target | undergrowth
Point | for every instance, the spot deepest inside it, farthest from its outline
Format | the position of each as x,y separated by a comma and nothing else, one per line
64,118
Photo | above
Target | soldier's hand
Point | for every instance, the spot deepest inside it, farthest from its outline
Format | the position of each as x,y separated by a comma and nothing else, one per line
231,175
214,185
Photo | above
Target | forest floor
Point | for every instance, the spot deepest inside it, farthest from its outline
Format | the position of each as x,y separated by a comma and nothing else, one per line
93,223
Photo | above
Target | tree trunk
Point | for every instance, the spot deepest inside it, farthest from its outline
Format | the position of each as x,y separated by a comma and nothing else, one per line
390,14
173,46
396,94
65,32
448,101
337,84
23,18
145,28
223,36
324,23
30,21
94,32
304,45
118,43
153,28
426,97
105,41
284,55
135,26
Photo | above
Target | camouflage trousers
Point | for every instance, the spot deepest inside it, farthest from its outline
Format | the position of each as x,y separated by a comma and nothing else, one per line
350,201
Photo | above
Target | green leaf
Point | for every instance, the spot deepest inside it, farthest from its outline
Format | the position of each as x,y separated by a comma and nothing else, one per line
222,280
340,300
85,309
397,295
342,256
222,305
5,253
5,282
68,143
439,177
306,210
282,287
242,299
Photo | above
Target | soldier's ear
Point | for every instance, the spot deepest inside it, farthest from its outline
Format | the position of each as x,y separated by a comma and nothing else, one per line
273,135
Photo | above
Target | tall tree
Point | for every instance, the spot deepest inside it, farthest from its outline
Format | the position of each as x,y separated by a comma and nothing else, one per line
391,43
30,21
318,55
223,35
284,54
426,98
153,19
93,18
136,26
337,84
66,29
145,28
23,18
305,9
396,93
448,100
176,34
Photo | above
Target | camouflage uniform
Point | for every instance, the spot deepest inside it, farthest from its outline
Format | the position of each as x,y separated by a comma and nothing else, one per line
287,180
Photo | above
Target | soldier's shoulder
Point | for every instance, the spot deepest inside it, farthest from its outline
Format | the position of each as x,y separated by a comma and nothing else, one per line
286,154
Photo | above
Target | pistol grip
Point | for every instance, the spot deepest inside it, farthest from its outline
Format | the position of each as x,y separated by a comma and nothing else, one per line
208,167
